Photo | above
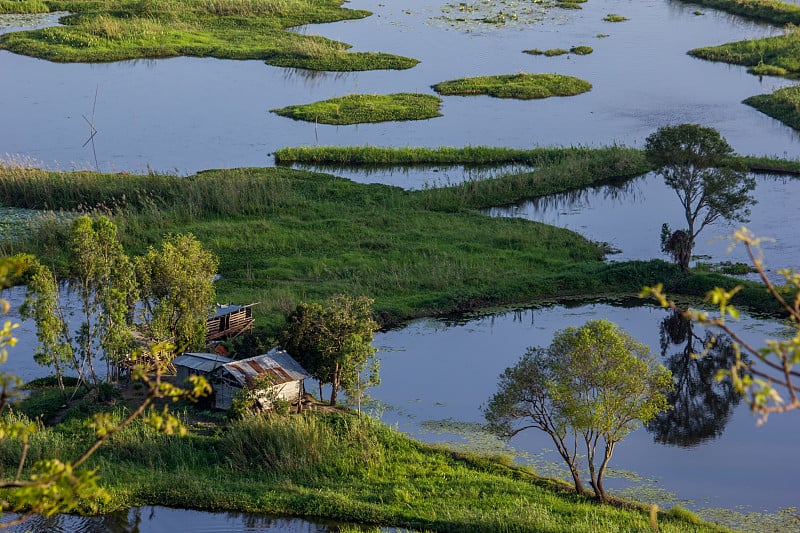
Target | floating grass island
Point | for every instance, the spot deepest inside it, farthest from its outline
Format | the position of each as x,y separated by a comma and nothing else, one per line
771,56
363,108
577,50
231,29
783,104
773,11
521,86
611,17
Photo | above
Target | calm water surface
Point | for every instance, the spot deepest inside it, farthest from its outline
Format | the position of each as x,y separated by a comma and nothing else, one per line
186,114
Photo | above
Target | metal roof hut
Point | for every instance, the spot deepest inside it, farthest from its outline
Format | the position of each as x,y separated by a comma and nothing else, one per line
198,364
285,374
229,321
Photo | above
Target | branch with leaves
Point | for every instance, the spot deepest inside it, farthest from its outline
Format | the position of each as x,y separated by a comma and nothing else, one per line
769,380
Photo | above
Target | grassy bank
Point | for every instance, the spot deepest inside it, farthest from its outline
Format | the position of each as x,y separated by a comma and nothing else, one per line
783,104
286,236
772,11
340,467
774,56
364,108
520,86
232,29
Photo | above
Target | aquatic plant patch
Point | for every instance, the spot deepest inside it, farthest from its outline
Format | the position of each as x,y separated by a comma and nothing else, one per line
231,29
779,55
363,108
481,14
520,86
783,104
772,11
612,17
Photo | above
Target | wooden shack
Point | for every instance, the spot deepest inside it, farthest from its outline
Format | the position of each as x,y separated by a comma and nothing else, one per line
283,372
228,321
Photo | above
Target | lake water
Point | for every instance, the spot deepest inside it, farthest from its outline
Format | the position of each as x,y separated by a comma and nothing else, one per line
187,114
436,375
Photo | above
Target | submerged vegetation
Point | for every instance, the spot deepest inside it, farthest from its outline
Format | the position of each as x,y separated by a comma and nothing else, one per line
233,29
363,108
783,104
522,86
772,56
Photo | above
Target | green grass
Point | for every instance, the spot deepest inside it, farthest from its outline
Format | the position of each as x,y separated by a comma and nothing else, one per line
287,236
783,104
772,11
581,50
22,6
116,30
773,56
521,86
363,108
611,17
339,467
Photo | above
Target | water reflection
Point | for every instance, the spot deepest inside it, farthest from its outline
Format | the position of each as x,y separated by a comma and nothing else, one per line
153,519
702,405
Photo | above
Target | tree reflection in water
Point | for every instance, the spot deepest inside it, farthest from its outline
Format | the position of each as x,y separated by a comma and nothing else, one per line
702,406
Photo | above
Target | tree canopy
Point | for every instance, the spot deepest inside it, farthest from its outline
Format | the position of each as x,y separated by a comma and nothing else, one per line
695,161
592,385
334,343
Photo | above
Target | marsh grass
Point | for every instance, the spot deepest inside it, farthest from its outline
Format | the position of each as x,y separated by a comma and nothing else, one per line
772,11
611,17
115,30
783,105
364,108
336,466
286,236
22,7
520,86
773,56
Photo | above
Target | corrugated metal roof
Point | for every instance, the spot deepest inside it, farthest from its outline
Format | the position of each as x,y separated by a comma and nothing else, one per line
202,362
225,309
277,364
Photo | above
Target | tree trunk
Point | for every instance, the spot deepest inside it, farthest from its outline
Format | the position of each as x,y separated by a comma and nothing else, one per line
335,384
606,458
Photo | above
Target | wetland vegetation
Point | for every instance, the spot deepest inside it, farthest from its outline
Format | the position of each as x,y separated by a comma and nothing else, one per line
332,465
782,104
364,108
237,29
772,11
774,56
550,52
522,86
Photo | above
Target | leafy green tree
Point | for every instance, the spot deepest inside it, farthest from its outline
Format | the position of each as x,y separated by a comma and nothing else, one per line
766,376
177,289
102,277
334,343
51,486
593,385
695,162
42,305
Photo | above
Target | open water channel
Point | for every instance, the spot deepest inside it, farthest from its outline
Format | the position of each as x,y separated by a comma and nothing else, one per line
187,114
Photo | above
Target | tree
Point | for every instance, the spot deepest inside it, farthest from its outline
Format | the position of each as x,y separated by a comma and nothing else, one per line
592,384
102,276
177,289
53,486
696,163
334,343
766,376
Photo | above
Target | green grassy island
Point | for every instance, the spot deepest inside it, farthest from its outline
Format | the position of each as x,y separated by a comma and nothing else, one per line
521,86
330,465
236,29
363,108
783,105
772,11
774,56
